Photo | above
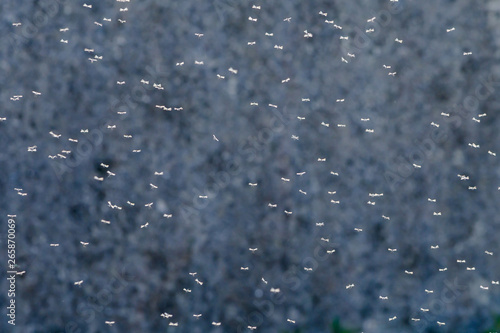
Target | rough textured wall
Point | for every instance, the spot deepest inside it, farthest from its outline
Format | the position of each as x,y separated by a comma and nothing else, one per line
193,146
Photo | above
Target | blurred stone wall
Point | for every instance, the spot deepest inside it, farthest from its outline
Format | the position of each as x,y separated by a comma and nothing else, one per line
427,120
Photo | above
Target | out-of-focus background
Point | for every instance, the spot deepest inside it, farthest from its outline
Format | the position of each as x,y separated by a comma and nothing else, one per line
245,141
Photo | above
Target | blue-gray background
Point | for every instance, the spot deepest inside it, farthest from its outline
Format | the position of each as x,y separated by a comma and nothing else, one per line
132,275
